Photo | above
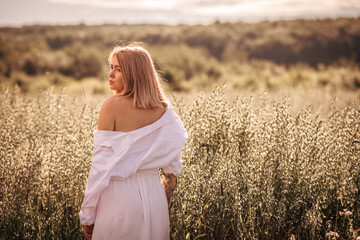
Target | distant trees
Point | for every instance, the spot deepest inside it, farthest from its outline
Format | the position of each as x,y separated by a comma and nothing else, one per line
58,42
183,53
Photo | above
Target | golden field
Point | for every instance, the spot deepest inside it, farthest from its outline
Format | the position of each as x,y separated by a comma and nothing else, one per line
272,110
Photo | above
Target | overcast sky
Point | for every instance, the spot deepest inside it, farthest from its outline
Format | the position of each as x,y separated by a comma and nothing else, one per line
26,12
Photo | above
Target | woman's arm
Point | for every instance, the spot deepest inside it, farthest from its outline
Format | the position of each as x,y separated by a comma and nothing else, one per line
169,183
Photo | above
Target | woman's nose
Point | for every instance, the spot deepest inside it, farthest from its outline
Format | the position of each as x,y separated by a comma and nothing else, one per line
111,74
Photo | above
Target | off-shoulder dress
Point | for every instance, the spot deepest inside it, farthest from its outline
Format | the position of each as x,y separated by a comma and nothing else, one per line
124,196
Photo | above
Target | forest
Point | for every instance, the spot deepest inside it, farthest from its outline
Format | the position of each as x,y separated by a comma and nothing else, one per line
251,56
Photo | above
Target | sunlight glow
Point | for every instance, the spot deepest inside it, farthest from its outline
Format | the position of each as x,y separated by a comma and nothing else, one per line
170,11
223,7
267,7
135,4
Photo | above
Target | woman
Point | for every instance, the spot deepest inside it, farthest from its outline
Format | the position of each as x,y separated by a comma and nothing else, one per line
138,133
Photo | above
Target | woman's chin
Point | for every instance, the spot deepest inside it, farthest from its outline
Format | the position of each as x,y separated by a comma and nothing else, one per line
116,90
112,88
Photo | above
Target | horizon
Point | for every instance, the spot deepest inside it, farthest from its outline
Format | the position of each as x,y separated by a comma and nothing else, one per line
174,25
162,12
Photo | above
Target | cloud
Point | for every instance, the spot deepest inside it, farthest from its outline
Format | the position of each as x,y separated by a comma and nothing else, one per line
168,11
134,4
270,8
218,8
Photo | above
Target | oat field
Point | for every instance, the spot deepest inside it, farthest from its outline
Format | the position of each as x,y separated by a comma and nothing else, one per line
253,168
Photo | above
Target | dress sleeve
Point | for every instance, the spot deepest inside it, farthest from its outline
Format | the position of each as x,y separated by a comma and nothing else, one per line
87,216
97,180
175,165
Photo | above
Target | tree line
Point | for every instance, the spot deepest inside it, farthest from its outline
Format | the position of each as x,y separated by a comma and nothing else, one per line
80,51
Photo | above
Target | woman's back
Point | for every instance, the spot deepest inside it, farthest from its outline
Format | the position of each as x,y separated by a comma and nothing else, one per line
126,117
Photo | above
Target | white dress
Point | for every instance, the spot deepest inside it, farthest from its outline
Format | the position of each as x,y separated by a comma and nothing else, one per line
124,196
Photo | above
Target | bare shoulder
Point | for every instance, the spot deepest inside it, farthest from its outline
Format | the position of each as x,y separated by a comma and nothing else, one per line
115,101
108,111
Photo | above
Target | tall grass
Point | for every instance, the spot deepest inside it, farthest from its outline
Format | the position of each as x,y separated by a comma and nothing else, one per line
45,154
258,172
252,169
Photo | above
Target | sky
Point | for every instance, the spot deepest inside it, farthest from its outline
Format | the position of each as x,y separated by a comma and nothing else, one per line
28,12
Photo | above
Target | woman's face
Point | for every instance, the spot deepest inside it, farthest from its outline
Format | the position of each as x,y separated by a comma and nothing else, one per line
116,81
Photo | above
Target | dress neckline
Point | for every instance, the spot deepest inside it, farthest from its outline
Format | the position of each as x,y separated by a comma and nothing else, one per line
141,128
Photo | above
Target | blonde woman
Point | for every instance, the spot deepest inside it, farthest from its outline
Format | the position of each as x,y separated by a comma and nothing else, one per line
138,134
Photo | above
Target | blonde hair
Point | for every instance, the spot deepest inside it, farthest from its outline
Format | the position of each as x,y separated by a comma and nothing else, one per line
141,80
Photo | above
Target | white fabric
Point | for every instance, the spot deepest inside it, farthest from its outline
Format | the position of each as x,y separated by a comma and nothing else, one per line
124,196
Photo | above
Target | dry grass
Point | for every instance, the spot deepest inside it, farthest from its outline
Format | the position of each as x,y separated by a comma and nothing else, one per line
254,168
